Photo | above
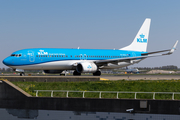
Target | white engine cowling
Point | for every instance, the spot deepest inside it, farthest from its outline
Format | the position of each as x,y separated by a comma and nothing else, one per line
86,67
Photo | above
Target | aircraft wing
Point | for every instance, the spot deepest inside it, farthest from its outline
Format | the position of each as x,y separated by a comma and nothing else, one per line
143,56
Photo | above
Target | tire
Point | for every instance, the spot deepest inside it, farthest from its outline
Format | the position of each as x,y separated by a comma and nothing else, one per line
75,73
97,73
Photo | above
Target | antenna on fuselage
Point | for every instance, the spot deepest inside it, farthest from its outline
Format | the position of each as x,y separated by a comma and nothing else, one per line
78,48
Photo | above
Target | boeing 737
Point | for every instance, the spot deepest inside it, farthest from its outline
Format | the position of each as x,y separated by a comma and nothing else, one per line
57,60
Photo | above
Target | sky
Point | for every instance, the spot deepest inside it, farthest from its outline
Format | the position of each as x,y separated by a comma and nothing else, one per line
96,24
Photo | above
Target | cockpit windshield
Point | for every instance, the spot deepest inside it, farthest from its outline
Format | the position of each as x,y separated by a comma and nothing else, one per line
16,55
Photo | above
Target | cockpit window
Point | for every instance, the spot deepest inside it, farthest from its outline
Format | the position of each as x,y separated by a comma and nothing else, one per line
16,55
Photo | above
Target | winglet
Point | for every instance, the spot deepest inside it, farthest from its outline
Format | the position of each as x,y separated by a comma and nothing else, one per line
173,48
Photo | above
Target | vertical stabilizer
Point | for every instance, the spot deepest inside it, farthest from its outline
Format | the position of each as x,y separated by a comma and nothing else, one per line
141,40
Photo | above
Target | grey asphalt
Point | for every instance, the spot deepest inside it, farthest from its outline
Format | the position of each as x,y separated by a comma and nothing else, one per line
116,77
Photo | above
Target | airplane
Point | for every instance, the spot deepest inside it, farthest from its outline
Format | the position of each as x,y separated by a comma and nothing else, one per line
57,60
134,70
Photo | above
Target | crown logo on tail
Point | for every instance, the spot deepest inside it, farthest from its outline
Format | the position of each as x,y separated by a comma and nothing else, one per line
142,39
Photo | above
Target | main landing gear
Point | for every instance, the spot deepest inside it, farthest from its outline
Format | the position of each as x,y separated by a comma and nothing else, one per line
75,73
97,73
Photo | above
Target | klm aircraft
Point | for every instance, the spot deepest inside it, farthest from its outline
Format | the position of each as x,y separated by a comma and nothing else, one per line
57,60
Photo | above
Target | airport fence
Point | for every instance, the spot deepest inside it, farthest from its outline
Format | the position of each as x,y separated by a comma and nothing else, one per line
100,93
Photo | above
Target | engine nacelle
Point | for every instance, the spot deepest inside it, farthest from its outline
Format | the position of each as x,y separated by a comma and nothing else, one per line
86,67
19,70
53,71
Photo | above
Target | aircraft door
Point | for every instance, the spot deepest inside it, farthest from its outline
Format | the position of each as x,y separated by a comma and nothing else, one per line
31,56
134,54
83,57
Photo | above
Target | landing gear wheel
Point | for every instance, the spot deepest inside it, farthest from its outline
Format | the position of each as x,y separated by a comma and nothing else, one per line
97,73
75,73
22,74
62,74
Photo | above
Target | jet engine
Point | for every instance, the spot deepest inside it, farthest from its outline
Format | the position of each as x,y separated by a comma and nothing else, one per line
86,67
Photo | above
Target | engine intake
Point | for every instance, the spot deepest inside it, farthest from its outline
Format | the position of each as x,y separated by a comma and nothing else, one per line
86,67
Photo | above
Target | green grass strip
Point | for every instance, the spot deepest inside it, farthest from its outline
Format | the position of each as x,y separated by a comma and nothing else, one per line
121,85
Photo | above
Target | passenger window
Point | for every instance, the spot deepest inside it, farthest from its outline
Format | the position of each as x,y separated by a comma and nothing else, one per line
36,55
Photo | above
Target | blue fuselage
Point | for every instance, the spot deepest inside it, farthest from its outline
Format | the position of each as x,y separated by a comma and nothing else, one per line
55,56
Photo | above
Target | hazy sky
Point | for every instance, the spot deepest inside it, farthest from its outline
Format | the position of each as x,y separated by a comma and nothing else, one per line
101,24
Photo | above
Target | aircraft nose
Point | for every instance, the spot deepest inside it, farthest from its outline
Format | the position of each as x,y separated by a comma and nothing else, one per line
7,61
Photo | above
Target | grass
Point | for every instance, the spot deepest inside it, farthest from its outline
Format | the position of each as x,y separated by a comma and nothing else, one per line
122,85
